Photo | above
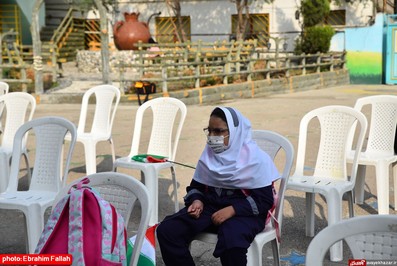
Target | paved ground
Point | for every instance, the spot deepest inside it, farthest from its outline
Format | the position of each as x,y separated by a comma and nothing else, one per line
281,113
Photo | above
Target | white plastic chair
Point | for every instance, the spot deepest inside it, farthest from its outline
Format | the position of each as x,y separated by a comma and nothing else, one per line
330,177
4,87
122,191
272,143
163,141
380,148
369,237
19,107
107,98
47,177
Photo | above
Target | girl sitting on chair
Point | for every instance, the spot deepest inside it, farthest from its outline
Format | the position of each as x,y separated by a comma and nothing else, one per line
230,194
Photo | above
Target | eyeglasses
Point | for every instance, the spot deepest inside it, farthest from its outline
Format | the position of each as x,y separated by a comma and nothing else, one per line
215,131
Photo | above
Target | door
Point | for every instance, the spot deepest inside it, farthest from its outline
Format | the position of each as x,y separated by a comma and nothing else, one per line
391,50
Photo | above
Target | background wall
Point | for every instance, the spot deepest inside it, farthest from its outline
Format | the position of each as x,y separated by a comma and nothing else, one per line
26,7
364,46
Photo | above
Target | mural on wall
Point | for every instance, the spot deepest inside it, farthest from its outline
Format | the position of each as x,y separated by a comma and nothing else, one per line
364,46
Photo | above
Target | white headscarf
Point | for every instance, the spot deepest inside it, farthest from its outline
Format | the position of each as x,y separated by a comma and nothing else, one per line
243,165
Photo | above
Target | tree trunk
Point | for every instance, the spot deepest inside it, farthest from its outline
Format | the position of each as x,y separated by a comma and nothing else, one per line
104,41
395,7
242,19
180,26
38,63
175,8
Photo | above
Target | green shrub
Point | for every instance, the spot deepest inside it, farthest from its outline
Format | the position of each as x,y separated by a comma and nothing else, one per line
315,39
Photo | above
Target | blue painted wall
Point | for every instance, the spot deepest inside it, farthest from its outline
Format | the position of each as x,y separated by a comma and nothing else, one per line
364,46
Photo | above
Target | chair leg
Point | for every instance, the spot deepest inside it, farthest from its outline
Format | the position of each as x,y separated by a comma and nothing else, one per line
382,187
34,226
350,200
25,155
112,149
310,202
90,157
360,183
151,182
276,252
4,172
334,202
175,184
254,255
394,167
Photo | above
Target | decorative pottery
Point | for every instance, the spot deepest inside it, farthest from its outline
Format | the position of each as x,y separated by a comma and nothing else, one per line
127,33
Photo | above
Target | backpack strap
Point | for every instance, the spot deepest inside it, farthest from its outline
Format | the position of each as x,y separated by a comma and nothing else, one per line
113,232
54,224
270,213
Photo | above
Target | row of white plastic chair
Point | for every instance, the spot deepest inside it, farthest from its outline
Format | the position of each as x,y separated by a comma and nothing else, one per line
48,183
338,127
165,111
330,177
162,142
19,107
4,88
49,173
166,114
341,127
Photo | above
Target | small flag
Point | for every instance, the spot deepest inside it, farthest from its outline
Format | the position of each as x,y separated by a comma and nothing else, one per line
147,256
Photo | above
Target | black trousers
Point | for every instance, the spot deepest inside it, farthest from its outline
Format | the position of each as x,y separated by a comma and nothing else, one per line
235,235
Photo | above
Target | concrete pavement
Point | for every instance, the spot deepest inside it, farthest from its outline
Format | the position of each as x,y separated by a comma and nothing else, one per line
280,113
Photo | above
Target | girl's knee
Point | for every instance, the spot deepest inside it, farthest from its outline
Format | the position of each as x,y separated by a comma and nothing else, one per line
161,231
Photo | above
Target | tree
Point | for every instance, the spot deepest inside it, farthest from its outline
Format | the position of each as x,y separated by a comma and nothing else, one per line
35,29
314,11
103,7
315,36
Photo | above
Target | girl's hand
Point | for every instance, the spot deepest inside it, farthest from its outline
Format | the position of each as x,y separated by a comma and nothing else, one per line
222,215
196,208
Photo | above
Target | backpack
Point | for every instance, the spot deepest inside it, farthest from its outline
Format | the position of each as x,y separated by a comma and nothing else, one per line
86,226
144,88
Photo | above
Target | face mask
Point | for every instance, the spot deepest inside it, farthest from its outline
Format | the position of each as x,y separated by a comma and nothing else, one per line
216,143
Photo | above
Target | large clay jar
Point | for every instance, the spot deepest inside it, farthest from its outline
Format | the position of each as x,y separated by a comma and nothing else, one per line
127,33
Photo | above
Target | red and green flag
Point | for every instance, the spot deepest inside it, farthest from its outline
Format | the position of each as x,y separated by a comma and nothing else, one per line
147,256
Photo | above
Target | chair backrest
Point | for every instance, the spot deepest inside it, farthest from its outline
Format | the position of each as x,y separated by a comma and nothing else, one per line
122,191
49,134
382,127
4,87
107,98
272,142
162,141
19,107
369,237
336,123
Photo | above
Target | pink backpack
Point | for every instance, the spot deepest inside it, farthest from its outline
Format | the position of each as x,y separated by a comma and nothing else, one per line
86,226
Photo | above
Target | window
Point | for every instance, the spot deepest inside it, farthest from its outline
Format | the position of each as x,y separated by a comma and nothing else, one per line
336,18
165,30
258,28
